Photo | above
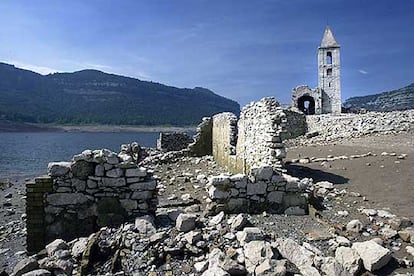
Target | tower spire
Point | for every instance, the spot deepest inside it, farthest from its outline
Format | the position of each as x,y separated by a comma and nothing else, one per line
328,39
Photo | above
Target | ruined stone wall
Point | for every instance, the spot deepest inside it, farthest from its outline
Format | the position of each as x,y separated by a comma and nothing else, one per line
173,141
254,140
98,188
224,138
259,134
252,149
262,190
305,92
333,127
203,144
295,124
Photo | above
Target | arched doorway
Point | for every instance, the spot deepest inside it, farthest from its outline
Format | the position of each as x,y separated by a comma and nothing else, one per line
307,104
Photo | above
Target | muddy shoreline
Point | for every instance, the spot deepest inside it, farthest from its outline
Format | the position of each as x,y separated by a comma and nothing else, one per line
25,127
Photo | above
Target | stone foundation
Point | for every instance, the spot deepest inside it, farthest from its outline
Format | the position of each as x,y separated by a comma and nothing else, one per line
98,188
262,190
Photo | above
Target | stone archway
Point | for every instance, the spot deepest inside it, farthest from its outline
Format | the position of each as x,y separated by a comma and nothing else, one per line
306,104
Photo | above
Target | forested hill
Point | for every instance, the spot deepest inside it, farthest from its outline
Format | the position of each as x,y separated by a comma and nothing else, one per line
95,97
400,99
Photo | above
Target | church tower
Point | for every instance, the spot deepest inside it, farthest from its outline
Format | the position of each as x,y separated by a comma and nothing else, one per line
329,73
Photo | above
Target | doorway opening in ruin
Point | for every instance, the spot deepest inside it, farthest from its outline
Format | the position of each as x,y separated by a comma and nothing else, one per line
306,104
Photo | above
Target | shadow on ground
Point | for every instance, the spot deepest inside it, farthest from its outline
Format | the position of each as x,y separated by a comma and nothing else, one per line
317,175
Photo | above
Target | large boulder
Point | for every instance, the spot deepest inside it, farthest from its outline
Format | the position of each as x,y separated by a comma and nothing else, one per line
349,259
298,255
55,246
271,267
373,255
38,272
256,252
25,265
249,234
220,263
291,250
239,222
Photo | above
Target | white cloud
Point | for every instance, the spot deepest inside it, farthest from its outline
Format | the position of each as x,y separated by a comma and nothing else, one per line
363,71
32,67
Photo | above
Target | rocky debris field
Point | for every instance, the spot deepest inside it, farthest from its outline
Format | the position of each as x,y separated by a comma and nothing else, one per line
12,223
343,236
360,221
178,242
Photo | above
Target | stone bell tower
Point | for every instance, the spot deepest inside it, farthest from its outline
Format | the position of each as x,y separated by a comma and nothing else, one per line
329,73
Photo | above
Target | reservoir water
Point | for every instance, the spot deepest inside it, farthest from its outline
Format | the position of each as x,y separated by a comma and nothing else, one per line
27,154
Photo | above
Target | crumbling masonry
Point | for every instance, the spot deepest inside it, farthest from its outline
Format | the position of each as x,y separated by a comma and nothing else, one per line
251,147
98,188
102,188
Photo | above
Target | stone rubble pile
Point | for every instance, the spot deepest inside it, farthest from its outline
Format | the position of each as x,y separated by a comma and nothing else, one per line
190,243
327,128
98,188
376,227
262,190
175,242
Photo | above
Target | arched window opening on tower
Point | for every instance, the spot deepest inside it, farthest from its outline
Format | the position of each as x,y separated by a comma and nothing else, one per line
329,72
329,58
329,84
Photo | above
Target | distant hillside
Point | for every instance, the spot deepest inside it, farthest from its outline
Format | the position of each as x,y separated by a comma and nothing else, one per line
94,97
400,99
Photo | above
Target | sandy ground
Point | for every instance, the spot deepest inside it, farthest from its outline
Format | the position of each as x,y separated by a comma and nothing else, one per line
386,181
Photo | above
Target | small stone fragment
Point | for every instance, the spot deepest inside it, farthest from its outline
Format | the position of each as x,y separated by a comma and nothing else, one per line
185,222
354,226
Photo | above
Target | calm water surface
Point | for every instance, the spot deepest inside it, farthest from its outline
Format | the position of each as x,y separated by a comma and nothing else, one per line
27,154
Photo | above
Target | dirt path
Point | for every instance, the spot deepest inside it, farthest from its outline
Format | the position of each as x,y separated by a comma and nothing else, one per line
385,180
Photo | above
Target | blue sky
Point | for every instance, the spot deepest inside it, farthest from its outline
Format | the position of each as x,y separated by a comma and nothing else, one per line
243,50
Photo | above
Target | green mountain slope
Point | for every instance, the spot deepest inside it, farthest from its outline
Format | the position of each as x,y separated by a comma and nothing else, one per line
94,97
400,99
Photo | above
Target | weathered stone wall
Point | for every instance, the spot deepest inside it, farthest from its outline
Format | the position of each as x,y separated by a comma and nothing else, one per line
295,124
333,127
259,134
224,138
203,144
304,92
173,141
98,188
262,190
253,140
